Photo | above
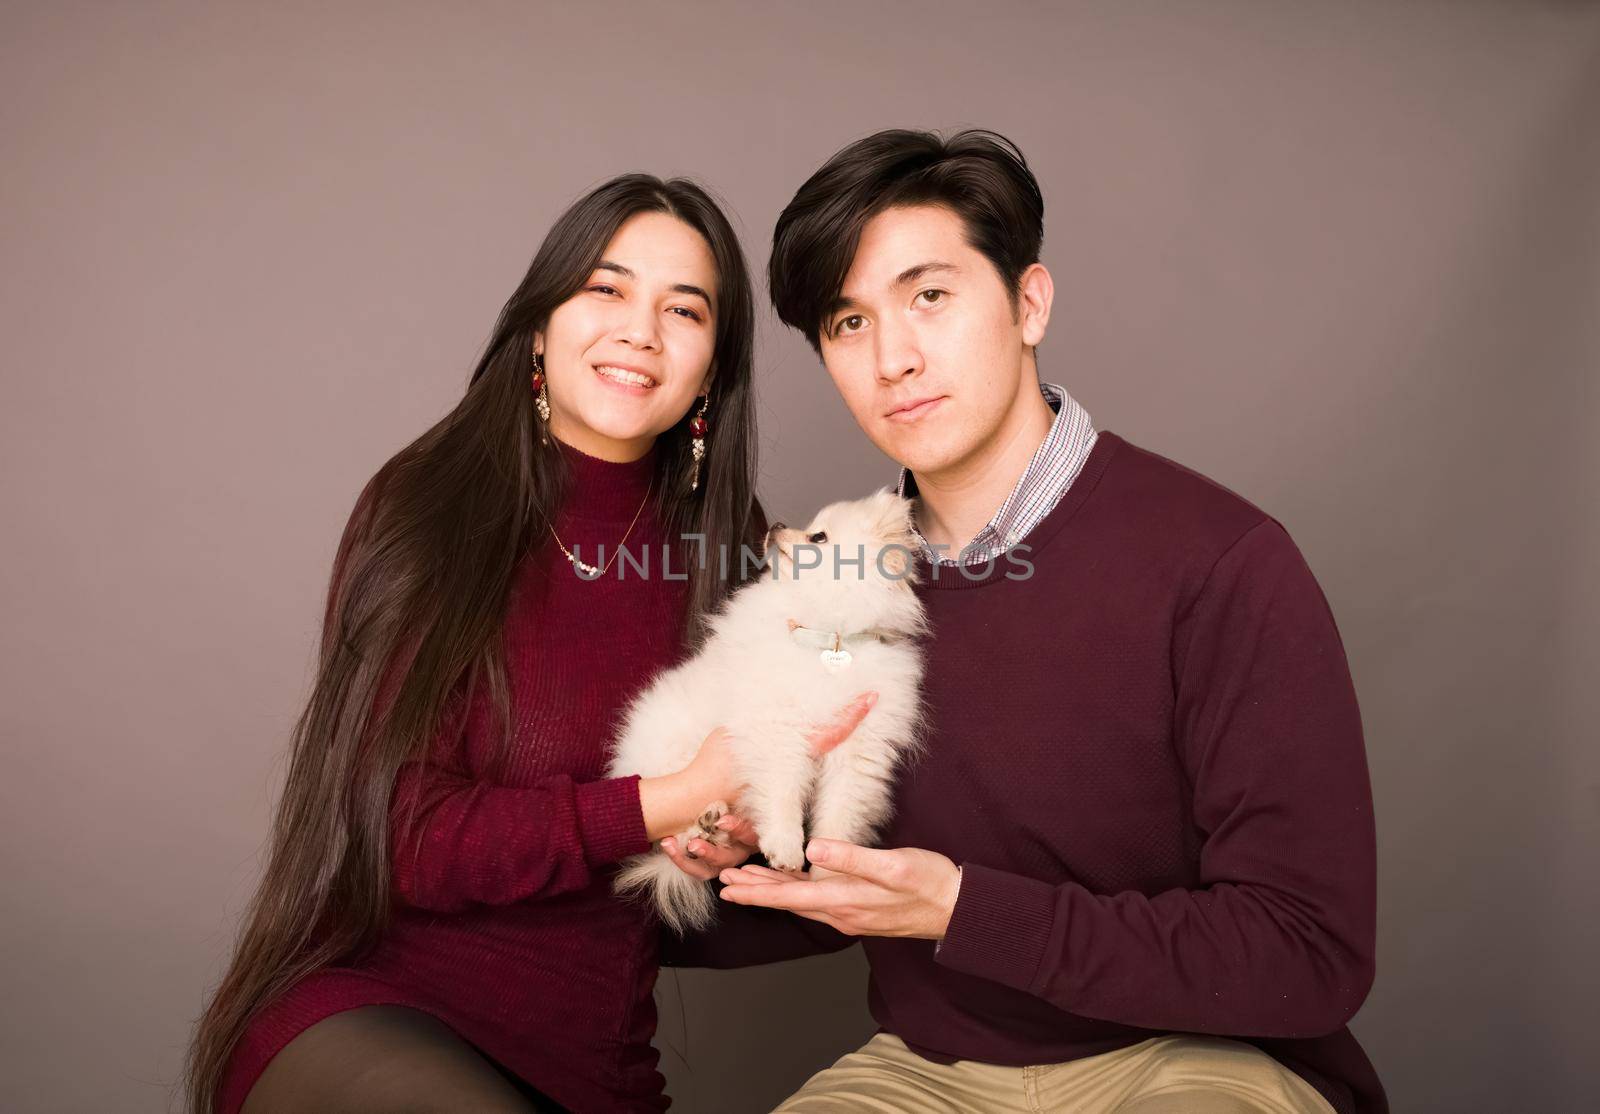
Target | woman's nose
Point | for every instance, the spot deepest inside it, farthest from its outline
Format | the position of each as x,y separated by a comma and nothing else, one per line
638,329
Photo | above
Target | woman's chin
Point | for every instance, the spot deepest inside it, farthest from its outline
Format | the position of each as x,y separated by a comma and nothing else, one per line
607,425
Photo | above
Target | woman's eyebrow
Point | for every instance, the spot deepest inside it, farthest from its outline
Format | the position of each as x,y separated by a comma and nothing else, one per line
677,288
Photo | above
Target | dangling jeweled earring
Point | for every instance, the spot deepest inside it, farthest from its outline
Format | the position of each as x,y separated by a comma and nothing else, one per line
697,447
541,398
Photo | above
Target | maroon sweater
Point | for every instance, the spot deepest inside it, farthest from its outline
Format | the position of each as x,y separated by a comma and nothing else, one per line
1147,757
505,926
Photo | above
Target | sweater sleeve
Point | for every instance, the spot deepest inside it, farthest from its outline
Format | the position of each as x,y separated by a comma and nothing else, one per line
1277,938
458,840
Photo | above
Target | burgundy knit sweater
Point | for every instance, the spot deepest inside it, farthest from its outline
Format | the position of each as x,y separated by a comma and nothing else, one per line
505,926
1148,758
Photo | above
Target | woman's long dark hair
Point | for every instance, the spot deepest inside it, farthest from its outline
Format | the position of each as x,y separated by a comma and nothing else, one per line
418,596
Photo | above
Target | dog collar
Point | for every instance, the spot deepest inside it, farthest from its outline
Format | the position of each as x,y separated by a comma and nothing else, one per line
834,656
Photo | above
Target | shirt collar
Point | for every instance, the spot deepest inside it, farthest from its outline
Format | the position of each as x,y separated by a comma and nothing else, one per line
1070,433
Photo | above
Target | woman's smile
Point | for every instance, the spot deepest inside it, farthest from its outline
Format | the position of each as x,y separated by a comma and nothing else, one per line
627,380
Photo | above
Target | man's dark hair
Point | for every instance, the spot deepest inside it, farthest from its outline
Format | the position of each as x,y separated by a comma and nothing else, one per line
979,175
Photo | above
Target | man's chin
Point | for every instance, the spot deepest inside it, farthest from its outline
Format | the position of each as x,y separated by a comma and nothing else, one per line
922,458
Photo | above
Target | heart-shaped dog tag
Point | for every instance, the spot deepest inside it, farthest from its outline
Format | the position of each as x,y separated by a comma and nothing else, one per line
835,660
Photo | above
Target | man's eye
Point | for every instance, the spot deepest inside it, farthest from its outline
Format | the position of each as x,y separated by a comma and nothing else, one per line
932,295
849,324
818,538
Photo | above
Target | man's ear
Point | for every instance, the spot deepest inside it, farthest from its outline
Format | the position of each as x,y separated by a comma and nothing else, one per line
1035,292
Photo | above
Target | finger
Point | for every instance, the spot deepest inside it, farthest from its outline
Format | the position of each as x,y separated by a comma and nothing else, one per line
718,858
760,895
740,829
821,897
871,863
825,738
768,873
751,874
670,848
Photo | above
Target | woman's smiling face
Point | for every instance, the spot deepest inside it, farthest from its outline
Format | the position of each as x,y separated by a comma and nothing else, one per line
626,355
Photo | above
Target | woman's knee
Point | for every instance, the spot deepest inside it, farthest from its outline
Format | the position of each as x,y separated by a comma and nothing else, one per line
382,1060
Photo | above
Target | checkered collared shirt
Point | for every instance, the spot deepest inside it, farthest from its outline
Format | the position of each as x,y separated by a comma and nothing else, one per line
1055,464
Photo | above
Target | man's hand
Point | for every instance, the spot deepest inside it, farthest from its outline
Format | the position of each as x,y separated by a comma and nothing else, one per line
865,891
704,860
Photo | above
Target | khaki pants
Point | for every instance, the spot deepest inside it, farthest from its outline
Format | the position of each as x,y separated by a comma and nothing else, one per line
1173,1074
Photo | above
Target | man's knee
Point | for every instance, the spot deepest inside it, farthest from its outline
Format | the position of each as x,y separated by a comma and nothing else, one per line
1192,1100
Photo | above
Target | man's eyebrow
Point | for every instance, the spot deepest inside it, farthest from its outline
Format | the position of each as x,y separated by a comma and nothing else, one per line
909,275
912,274
839,303
678,288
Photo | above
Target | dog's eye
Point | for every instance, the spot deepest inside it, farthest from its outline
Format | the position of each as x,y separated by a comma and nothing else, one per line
818,538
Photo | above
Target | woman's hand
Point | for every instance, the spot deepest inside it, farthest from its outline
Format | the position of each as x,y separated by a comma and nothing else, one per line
704,860
712,776
672,803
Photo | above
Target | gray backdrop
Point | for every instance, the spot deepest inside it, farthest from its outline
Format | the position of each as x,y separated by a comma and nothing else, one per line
1340,256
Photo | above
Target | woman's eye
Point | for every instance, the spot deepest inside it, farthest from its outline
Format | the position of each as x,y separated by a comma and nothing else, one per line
932,295
685,311
602,288
818,538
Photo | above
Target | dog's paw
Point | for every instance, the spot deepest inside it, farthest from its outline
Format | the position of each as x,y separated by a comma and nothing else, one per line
787,855
705,826
707,821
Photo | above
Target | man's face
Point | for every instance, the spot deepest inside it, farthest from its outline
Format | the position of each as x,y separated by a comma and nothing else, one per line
924,345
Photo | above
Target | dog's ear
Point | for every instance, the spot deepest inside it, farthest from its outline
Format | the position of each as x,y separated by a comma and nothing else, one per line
892,527
891,516
895,558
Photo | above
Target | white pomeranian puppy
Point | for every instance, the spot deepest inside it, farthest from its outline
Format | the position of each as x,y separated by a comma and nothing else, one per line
834,614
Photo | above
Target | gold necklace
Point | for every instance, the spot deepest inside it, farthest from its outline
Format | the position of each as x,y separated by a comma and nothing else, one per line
589,570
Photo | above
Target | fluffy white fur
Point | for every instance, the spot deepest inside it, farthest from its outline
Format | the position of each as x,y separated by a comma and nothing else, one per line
770,690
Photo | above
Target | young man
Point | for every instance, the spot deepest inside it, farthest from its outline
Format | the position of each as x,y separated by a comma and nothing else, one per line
1134,868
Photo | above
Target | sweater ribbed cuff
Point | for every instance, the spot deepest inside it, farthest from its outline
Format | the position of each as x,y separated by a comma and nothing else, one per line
611,820
1000,926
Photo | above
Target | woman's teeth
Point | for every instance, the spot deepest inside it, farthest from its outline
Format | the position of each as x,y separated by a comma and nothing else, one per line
619,375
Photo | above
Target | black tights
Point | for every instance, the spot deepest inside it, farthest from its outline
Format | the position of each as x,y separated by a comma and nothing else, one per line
388,1060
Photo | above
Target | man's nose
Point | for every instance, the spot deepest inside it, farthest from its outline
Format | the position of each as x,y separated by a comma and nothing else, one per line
898,353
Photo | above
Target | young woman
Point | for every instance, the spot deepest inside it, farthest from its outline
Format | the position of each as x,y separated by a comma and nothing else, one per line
435,928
